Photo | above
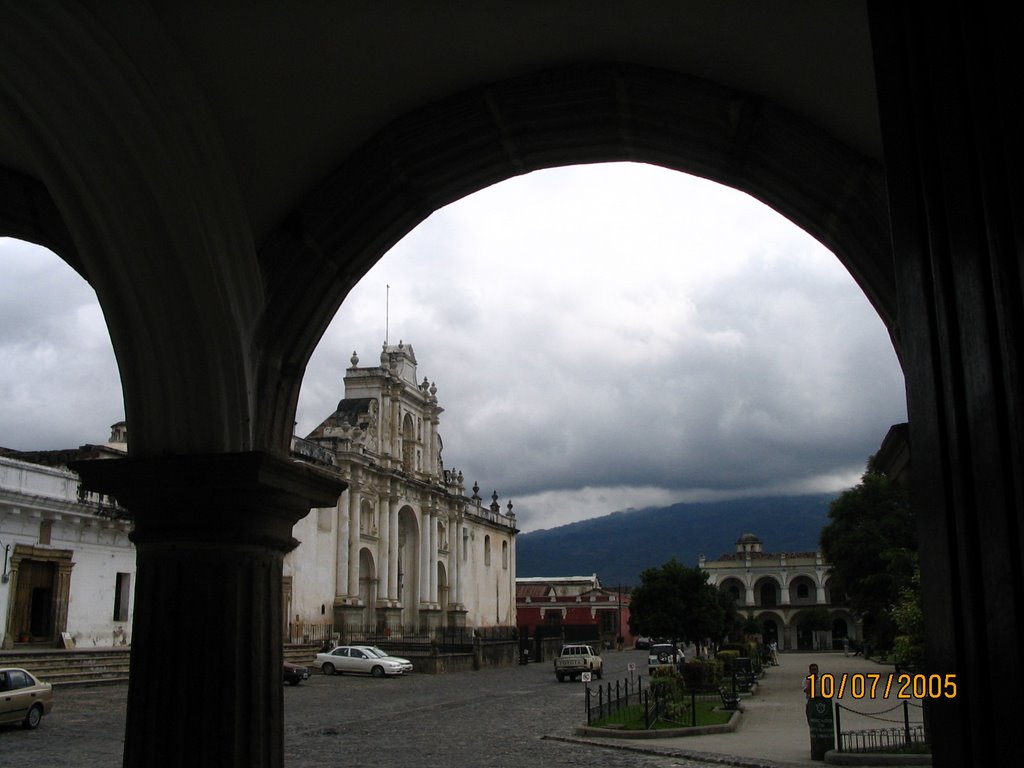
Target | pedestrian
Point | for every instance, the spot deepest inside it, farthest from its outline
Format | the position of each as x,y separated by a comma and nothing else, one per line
846,646
809,685
775,653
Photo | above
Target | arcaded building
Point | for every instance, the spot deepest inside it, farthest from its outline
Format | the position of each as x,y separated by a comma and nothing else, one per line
404,547
777,589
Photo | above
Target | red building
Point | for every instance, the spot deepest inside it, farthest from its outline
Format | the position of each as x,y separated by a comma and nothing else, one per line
577,607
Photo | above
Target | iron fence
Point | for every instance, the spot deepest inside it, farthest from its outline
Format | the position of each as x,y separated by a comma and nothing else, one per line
427,640
306,632
409,639
904,733
881,739
630,701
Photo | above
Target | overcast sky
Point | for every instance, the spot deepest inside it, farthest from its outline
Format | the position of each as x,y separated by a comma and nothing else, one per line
602,337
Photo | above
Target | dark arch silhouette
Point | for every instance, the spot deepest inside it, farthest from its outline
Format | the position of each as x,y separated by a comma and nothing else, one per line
584,114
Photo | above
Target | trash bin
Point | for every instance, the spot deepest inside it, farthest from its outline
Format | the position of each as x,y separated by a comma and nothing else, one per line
821,721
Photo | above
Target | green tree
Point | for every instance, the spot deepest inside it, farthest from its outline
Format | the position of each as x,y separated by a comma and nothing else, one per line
871,544
676,602
909,618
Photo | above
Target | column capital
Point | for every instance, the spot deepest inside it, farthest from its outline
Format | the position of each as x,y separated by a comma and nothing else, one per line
239,498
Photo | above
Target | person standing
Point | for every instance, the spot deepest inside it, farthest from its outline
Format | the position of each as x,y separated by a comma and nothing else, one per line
812,672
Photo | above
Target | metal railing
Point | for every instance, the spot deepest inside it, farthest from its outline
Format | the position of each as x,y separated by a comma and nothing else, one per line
903,734
628,700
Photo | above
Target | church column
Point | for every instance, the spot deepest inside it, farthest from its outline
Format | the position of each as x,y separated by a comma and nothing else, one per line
428,444
341,545
393,547
354,497
434,543
424,596
384,564
455,561
210,536
463,555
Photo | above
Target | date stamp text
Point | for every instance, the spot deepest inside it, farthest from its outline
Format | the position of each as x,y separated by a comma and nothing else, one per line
873,685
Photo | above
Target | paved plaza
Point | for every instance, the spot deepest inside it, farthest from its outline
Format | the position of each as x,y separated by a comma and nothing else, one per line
505,718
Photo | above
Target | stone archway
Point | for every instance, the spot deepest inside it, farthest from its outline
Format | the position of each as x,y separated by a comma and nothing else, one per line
155,216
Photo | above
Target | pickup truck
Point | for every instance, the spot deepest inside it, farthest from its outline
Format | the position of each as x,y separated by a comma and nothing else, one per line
574,660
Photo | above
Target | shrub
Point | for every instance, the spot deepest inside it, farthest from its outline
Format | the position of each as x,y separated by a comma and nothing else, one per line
726,657
702,674
667,686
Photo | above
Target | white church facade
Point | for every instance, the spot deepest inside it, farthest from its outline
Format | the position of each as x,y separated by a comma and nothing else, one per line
404,548
67,566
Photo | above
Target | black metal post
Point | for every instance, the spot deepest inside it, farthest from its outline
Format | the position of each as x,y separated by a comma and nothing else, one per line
906,722
839,730
588,704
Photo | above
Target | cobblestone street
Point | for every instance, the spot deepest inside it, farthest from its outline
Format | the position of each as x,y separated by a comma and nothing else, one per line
490,718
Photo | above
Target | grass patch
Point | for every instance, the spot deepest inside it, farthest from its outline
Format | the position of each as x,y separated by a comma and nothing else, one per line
632,718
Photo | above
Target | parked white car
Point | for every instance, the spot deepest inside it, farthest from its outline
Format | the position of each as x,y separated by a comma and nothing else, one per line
406,664
361,659
663,655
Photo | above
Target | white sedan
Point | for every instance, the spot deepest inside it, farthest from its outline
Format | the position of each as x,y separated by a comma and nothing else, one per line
406,664
360,659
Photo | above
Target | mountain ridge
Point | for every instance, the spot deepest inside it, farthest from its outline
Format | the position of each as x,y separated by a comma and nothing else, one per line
619,545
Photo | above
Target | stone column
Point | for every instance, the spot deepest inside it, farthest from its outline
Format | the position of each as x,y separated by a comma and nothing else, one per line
383,546
424,596
341,544
464,550
784,594
455,562
210,536
354,497
951,134
434,543
393,548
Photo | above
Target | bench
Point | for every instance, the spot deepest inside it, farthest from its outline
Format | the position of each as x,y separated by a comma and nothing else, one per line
745,681
730,700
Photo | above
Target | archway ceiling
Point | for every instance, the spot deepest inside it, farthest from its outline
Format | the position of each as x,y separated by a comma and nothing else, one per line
297,88
136,119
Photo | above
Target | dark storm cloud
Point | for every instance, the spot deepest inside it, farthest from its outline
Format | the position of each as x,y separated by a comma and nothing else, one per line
601,337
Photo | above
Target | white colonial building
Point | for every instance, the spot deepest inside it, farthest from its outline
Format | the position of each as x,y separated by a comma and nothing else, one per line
68,566
404,547
778,589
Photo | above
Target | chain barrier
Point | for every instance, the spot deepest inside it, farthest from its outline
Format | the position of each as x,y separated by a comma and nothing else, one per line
874,715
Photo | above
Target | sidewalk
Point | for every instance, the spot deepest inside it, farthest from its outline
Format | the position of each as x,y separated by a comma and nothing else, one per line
773,729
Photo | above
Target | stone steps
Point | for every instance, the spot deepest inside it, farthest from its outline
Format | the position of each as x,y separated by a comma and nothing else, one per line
93,666
100,666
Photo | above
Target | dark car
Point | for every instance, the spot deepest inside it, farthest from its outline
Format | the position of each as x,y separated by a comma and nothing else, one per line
295,673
